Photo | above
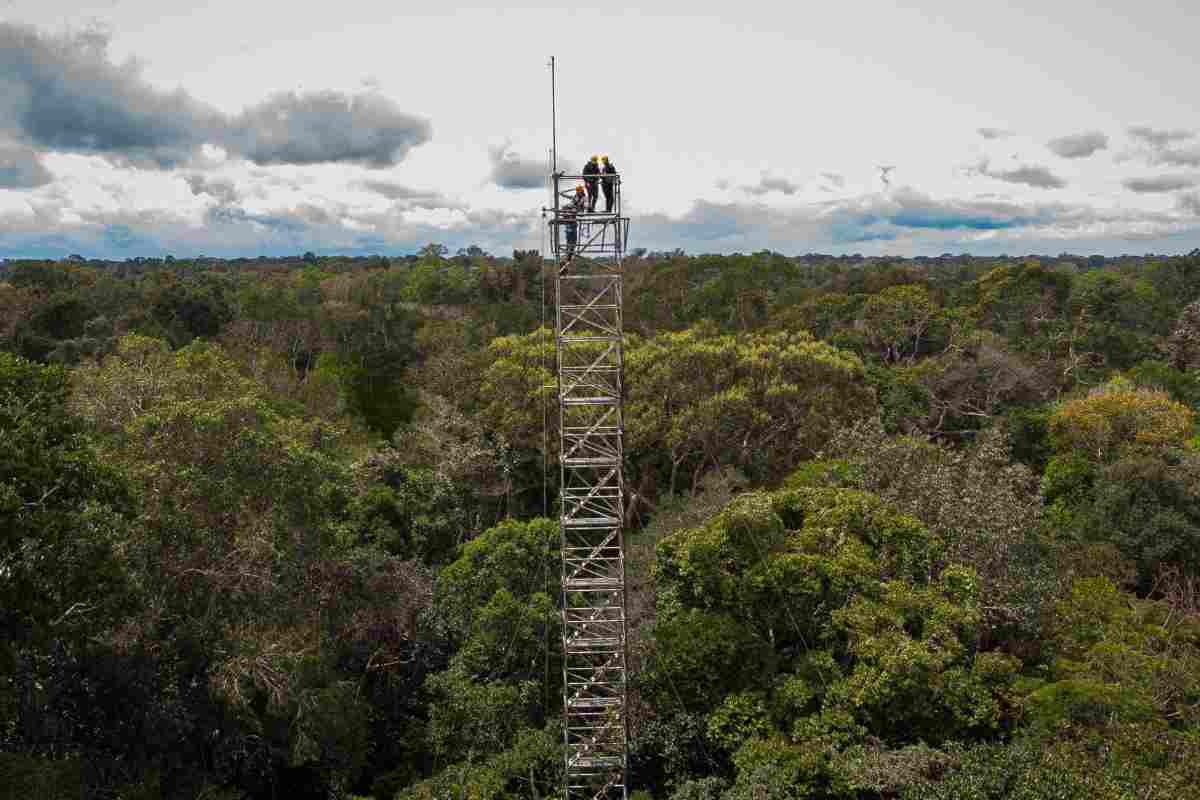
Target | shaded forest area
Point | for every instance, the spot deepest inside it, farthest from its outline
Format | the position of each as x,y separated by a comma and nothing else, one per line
898,528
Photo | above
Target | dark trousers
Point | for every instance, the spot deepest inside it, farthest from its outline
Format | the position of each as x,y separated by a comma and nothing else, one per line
572,237
592,193
608,198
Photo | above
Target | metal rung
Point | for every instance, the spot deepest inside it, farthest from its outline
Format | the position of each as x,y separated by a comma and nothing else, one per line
590,522
594,702
599,644
594,742
614,668
592,583
584,632
606,644
592,461
598,762
595,747
589,401
595,719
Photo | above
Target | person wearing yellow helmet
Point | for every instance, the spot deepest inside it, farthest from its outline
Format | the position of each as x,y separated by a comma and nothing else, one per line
609,184
591,178
569,211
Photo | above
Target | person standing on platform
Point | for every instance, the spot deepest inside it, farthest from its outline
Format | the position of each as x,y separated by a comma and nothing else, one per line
609,184
570,213
591,178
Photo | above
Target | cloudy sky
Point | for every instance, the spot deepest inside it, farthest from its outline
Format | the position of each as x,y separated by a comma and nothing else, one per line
130,127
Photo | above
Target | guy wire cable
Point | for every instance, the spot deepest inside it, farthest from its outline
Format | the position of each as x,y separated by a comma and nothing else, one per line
545,478
542,363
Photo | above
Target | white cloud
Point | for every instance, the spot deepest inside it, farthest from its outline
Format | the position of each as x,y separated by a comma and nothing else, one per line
1159,183
1159,138
835,179
768,183
1079,145
1162,147
1036,176
21,168
65,94
994,133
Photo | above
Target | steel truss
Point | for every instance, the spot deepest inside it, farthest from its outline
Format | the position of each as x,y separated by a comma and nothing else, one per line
589,338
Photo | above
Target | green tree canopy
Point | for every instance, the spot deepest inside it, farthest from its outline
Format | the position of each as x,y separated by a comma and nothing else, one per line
63,513
817,618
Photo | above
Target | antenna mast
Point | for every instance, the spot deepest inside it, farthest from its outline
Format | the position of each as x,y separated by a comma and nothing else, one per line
553,118
588,248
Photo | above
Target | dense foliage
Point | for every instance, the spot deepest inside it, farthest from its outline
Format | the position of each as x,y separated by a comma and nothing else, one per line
898,529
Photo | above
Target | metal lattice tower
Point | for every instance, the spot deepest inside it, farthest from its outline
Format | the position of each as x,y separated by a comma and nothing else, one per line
588,250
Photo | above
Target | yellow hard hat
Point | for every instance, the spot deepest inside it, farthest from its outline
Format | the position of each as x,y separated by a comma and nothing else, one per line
595,158
604,159
579,188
